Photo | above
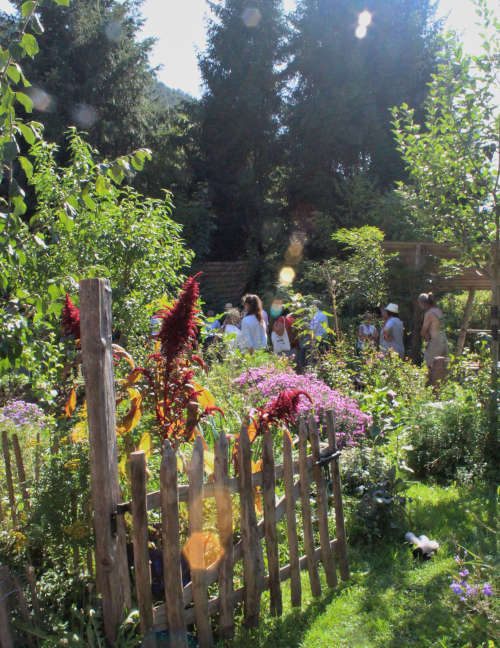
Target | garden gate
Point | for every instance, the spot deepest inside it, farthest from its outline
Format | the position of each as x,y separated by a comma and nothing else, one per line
191,603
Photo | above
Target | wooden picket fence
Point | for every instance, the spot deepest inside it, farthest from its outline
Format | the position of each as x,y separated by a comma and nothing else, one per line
191,604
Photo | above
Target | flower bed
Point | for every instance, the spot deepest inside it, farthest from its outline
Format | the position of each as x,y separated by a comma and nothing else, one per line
265,383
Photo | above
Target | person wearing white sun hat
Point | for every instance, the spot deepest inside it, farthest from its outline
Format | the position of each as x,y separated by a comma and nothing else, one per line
392,333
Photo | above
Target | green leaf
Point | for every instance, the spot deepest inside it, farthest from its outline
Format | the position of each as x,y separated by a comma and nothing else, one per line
14,72
116,172
30,44
25,101
16,50
10,150
100,186
62,3
27,8
27,133
26,166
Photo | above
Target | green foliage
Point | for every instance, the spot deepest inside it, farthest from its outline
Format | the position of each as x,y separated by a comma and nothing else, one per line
379,512
449,154
447,439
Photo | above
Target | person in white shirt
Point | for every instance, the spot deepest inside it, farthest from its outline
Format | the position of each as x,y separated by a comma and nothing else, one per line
319,321
391,336
231,329
253,326
367,332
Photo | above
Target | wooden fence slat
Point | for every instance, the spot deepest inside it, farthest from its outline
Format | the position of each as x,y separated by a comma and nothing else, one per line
171,548
30,575
208,488
253,561
306,511
6,638
337,494
141,539
196,555
113,580
225,528
214,603
21,473
291,522
8,477
270,531
324,536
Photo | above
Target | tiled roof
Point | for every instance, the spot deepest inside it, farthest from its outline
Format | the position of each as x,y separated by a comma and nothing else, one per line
224,281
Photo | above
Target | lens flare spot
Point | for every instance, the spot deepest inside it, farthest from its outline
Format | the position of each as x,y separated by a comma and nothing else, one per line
41,100
202,550
84,115
287,275
365,18
360,31
251,17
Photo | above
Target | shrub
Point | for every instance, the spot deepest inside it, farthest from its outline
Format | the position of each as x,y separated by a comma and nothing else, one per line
373,494
447,439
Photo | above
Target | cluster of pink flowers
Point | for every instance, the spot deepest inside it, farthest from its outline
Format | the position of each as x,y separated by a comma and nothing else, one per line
266,383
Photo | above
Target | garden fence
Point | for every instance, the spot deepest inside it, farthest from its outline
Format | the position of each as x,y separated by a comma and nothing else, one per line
191,604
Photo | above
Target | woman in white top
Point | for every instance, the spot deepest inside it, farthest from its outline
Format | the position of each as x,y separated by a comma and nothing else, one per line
432,329
253,326
231,329
367,332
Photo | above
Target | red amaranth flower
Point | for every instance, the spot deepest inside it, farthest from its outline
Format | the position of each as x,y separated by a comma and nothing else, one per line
179,328
70,319
282,409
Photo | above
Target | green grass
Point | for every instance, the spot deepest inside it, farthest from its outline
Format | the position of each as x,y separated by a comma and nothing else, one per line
391,601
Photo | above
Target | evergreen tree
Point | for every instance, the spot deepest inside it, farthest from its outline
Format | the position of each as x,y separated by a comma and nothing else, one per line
338,120
239,130
93,73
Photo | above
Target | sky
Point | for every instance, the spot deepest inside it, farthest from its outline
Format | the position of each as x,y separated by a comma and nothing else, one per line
179,28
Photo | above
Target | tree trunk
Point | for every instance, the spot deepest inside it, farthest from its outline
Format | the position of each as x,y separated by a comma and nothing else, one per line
465,321
492,446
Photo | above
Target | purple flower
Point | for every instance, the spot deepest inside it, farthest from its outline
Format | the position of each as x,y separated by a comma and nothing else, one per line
456,588
20,412
463,574
487,591
470,591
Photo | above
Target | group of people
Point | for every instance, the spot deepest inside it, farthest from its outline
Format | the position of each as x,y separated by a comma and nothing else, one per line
252,329
391,334
248,330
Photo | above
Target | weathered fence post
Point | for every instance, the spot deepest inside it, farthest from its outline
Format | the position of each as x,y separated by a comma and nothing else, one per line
111,558
140,539
327,556
291,522
225,527
21,472
169,500
197,548
8,476
306,511
253,560
337,495
6,639
270,531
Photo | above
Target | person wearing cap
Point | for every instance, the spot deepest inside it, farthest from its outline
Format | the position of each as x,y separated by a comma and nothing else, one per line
392,333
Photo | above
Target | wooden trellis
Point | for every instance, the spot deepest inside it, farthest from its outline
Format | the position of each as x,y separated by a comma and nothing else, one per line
190,604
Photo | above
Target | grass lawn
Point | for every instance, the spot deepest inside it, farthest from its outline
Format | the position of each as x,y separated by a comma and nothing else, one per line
391,601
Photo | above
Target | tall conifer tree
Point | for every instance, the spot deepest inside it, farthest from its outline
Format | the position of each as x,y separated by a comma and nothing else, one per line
338,120
241,104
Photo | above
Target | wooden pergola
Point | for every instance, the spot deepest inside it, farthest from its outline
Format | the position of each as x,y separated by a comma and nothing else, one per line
426,255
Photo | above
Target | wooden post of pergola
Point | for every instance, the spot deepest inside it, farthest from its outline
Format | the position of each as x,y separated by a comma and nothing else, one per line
427,254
